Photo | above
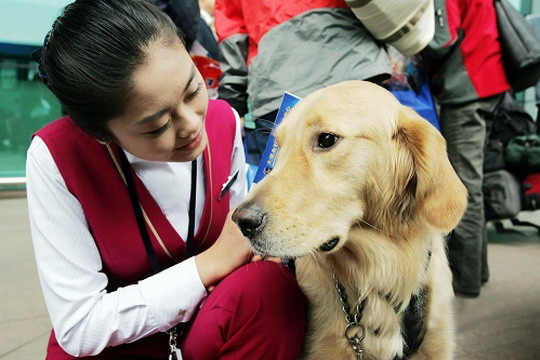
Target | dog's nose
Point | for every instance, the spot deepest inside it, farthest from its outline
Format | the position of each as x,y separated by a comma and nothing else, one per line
250,220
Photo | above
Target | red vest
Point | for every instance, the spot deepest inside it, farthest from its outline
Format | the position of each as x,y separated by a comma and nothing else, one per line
91,175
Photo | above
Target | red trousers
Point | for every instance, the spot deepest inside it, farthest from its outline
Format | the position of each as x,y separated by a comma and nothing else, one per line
257,312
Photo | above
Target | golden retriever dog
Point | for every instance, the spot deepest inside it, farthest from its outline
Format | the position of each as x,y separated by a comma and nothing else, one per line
361,196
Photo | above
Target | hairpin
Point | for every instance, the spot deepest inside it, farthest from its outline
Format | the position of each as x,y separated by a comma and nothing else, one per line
37,55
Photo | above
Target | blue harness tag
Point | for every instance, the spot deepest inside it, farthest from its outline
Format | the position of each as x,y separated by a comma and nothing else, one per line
271,150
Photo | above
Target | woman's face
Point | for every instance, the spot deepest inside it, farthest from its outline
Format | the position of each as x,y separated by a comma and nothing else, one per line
164,116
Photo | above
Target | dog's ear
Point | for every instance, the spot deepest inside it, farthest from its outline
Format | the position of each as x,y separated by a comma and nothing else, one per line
441,197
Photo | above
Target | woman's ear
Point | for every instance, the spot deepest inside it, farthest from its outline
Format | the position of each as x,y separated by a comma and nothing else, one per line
441,197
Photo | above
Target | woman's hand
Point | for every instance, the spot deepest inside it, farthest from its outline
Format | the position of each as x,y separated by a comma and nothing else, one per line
261,257
230,251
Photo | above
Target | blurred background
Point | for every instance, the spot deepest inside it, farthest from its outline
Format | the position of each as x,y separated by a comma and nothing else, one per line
26,104
504,323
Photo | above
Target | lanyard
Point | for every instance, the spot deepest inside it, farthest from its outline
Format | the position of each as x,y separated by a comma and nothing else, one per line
126,168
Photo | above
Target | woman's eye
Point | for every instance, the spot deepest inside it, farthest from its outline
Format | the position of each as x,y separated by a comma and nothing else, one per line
161,130
326,140
194,94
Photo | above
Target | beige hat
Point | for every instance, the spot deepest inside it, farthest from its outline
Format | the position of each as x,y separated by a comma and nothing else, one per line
408,25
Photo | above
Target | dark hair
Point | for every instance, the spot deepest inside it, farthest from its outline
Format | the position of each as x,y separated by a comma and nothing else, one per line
92,52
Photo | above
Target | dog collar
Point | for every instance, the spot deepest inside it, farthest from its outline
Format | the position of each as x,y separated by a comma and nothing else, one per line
413,324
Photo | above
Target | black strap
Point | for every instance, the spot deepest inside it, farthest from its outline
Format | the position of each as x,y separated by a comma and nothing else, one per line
126,168
138,212
414,323
192,198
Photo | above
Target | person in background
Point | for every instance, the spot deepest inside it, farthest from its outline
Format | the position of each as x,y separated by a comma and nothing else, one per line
468,79
207,13
199,37
130,198
186,14
534,20
272,46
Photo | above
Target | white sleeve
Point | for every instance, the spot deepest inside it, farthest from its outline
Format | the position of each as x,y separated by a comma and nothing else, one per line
86,318
238,163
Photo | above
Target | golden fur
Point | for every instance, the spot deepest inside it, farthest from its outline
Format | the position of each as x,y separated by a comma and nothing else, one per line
387,191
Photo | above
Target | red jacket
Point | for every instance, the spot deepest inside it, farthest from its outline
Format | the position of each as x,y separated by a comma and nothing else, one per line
92,177
464,57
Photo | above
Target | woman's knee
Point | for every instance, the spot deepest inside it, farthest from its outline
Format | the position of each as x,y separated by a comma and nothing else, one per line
262,282
263,290
258,309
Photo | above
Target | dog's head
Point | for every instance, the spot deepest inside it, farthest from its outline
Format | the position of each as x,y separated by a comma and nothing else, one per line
351,155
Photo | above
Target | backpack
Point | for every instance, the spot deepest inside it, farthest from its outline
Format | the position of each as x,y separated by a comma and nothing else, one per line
522,154
510,120
512,153
410,85
520,46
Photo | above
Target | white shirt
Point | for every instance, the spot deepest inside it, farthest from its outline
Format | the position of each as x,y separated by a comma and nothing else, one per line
86,318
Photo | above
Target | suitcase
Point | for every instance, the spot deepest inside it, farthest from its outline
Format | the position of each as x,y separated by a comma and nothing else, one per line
499,203
502,195
531,192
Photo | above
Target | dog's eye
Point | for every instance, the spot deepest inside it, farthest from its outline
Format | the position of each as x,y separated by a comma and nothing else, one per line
326,140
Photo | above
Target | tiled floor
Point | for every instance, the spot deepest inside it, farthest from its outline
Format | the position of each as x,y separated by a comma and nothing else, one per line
503,323
24,324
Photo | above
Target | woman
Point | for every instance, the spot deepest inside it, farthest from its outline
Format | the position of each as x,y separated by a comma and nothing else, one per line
126,248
